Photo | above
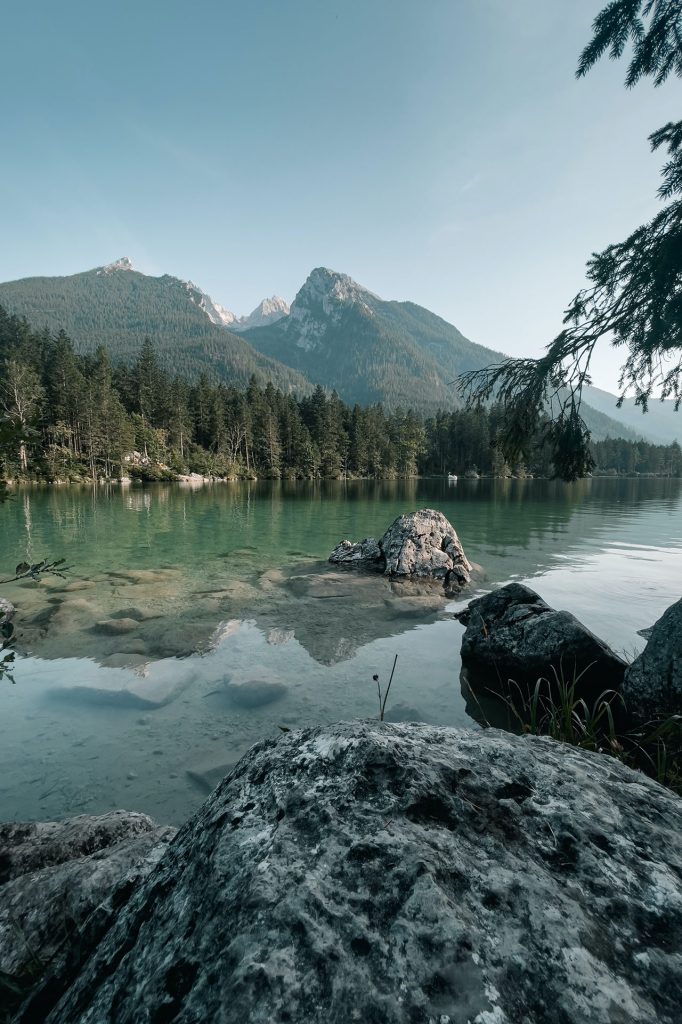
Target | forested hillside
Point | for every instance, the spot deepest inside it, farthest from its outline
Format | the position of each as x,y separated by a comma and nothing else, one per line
661,423
344,337
65,415
337,334
119,308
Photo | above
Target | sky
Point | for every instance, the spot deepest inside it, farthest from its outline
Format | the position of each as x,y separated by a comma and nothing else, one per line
439,151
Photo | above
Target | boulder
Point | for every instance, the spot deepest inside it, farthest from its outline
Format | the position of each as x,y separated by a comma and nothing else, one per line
512,634
55,875
399,873
366,551
419,545
653,683
254,693
32,846
424,543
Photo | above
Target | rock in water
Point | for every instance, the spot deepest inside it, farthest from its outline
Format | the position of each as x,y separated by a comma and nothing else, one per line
366,551
424,543
653,683
420,545
61,884
399,873
512,633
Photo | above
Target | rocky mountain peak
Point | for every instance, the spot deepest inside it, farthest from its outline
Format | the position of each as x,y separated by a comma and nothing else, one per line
124,263
322,301
266,312
216,313
330,288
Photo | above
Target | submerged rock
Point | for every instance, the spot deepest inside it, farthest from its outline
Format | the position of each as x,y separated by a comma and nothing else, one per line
114,627
420,544
55,875
512,634
653,682
254,693
398,873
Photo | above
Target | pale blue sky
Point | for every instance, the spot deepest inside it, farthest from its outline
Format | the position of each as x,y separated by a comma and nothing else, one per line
439,151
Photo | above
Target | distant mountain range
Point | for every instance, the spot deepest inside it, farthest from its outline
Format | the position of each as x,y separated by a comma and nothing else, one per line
660,424
336,333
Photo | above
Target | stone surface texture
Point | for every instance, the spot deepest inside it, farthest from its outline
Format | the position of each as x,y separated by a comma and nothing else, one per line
405,873
653,682
7,610
53,875
365,551
512,633
422,545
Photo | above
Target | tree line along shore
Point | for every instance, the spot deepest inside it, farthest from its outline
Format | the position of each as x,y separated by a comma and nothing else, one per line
69,417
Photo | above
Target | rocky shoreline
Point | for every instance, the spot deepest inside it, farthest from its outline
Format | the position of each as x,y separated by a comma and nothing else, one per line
365,871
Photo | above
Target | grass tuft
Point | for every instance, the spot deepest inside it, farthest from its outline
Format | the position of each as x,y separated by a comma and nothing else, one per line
553,708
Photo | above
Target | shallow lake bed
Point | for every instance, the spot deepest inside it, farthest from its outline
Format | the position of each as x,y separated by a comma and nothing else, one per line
196,622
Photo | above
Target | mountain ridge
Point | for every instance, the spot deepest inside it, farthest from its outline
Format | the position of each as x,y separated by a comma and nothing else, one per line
118,306
336,333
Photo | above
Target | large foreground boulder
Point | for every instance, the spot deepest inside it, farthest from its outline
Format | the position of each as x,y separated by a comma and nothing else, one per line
512,634
403,873
652,687
421,545
61,884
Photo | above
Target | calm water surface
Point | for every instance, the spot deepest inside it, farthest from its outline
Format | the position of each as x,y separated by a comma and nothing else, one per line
195,622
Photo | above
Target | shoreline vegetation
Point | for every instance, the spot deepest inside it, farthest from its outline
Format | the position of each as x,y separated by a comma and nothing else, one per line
161,474
66,417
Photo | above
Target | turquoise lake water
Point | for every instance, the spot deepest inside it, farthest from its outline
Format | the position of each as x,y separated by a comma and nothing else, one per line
196,621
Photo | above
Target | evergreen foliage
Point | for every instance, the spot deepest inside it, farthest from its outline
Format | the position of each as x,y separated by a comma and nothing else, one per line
634,299
70,416
118,309
394,353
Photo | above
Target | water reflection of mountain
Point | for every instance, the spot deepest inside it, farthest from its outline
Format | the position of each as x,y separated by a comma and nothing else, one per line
157,570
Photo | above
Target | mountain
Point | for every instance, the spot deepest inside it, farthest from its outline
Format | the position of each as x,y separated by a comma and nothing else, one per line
659,425
266,312
343,336
336,333
116,306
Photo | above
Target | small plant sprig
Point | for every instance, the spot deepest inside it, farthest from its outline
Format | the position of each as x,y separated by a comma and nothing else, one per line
383,697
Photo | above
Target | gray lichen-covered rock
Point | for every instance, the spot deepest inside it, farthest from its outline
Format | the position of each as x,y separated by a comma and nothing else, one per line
653,682
403,873
27,846
366,551
424,543
54,875
418,545
512,633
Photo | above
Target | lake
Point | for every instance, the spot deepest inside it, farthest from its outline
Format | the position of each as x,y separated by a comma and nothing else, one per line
196,621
